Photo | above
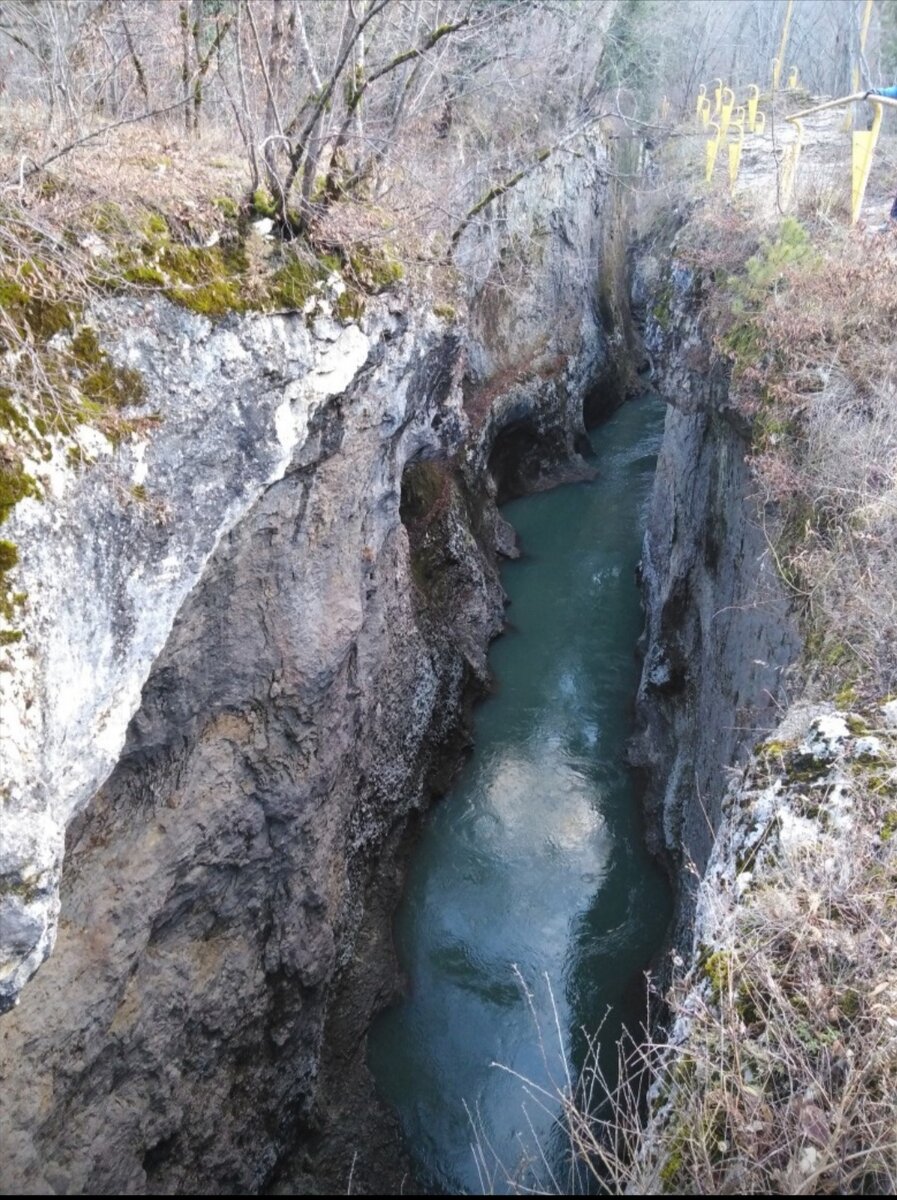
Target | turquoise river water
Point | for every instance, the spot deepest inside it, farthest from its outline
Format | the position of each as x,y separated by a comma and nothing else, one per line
531,875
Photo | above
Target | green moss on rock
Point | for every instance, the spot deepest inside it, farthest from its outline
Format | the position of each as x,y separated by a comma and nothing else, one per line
263,204
376,268
11,417
9,601
15,485
717,968
100,380
228,207
32,311
9,556
350,305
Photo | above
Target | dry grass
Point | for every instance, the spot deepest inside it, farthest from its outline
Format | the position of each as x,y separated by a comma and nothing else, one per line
805,315
784,1075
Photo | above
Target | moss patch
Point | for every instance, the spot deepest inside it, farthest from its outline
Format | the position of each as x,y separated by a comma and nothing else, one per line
9,600
263,204
101,380
376,268
15,484
350,305
31,309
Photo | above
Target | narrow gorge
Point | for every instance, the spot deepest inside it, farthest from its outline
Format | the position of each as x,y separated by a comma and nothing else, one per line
262,673
424,663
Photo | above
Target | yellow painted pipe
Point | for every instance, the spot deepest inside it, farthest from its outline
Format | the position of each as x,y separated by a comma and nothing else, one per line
735,148
712,150
863,148
753,101
855,74
725,114
792,156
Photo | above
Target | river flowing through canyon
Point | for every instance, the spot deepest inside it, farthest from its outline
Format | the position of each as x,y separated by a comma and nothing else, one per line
530,886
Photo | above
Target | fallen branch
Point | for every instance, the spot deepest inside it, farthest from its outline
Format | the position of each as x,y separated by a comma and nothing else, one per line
88,137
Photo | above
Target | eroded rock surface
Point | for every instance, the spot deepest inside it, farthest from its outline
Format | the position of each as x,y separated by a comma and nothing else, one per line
252,639
720,633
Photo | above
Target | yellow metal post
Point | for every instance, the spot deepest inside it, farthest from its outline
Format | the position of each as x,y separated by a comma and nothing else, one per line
863,150
712,149
793,77
702,93
725,114
760,123
706,107
717,96
777,63
753,101
735,148
792,156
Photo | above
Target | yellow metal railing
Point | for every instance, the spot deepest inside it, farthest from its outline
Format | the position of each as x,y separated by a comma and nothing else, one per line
738,119
712,149
753,102
862,146
735,148
720,113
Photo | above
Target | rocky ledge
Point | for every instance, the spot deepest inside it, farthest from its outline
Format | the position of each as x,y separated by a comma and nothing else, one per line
251,637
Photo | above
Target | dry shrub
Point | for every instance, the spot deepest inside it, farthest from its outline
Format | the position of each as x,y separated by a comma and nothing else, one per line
806,317
784,1077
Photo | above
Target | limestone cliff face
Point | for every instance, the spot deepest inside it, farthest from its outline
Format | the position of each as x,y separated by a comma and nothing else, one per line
251,638
719,634
110,555
283,727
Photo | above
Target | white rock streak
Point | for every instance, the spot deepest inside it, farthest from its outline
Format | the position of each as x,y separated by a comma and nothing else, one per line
107,568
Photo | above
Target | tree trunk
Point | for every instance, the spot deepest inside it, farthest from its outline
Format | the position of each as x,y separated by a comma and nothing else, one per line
184,22
358,80
197,32
135,58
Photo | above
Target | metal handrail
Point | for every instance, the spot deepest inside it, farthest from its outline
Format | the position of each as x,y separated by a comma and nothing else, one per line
863,145
886,100
863,149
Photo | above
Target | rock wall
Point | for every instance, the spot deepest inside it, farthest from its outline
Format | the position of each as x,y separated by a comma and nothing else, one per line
242,673
720,635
